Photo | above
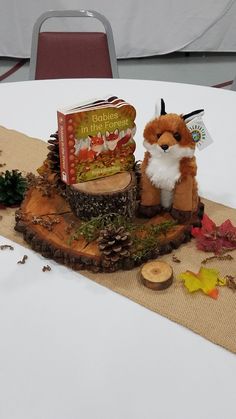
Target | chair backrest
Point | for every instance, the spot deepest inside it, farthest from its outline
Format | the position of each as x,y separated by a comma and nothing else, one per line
72,54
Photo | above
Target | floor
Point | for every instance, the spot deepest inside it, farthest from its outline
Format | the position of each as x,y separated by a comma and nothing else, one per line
195,68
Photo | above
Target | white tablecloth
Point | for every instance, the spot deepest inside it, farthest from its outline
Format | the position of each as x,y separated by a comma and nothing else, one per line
140,28
73,349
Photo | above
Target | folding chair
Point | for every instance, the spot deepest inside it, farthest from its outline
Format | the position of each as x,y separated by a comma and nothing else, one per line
72,54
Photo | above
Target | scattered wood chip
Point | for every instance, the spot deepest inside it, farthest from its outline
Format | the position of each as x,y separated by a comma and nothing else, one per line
46,268
1,217
175,259
231,282
217,257
25,257
6,246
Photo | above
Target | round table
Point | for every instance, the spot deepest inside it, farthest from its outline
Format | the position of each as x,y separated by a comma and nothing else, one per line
73,349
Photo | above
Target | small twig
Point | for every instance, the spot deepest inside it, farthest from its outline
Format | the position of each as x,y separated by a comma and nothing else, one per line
218,257
25,257
6,246
231,282
46,268
175,259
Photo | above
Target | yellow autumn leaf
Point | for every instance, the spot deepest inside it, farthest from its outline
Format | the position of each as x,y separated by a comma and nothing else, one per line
205,280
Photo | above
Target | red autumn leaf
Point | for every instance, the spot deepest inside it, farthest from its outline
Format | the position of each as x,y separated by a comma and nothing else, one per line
208,226
196,231
211,238
227,230
209,244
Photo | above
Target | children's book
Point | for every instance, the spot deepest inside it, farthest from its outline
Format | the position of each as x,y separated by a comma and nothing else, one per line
96,139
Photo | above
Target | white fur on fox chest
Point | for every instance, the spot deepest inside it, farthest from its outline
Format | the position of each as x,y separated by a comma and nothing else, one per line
163,168
164,173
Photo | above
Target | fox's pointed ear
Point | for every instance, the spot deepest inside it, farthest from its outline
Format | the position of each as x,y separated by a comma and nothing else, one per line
192,114
163,107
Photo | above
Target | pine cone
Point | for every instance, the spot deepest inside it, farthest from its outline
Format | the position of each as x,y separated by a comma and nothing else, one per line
53,157
12,188
114,244
53,161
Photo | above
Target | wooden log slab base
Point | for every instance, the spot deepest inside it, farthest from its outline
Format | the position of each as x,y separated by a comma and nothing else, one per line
49,226
111,194
157,275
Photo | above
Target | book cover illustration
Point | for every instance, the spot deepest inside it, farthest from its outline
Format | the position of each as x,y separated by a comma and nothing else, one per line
96,140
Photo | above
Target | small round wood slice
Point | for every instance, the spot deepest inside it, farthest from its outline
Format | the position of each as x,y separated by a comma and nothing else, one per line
157,275
112,194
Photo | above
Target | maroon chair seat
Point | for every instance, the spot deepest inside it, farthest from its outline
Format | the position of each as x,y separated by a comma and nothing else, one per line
57,55
72,54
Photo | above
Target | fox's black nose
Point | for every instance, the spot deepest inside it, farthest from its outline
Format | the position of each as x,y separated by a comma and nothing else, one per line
164,147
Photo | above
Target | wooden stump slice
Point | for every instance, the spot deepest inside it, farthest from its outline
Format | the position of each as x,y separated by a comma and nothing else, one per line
157,275
112,194
48,225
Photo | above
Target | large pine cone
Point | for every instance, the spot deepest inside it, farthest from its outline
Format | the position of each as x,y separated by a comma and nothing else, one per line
53,157
53,161
115,244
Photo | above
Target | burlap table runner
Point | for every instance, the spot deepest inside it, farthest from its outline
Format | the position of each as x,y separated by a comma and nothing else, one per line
212,319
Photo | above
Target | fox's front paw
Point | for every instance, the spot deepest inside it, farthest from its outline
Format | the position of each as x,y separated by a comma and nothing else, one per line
181,216
198,215
149,211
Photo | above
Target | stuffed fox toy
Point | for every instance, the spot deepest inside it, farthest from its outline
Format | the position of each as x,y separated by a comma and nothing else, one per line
168,171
